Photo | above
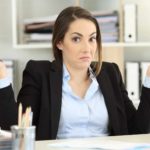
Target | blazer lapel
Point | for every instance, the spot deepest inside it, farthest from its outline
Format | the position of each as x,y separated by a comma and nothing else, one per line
56,96
107,90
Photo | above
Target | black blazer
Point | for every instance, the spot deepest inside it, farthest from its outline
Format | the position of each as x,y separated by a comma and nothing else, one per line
42,90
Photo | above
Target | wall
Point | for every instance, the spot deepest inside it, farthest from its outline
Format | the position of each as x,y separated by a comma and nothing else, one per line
21,56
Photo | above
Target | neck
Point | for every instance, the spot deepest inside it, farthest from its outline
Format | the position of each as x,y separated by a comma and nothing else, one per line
78,75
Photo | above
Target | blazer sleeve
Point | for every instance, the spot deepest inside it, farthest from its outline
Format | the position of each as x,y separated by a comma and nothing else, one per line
138,120
30,92
29,95
8,108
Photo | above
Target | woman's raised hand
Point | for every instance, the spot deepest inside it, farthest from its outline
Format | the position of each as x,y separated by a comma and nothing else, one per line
3,70
148,71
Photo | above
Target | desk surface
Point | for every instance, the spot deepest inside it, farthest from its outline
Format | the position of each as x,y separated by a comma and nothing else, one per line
143,138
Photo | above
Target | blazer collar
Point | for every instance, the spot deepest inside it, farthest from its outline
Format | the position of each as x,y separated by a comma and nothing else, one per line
108,93
55,96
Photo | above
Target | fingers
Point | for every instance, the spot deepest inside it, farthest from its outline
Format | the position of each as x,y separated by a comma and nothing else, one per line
148,71
3,71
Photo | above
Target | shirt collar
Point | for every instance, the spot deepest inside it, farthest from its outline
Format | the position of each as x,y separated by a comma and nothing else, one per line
66,74
94,86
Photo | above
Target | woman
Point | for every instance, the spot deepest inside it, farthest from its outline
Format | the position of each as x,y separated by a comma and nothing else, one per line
72,97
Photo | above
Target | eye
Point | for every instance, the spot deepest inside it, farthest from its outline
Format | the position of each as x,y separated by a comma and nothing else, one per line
76,39
92,39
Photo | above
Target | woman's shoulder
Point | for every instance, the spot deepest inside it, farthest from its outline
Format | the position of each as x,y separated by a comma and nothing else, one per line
38,65
43,66
112,70
108,64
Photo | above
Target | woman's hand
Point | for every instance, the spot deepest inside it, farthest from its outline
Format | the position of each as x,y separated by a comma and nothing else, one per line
148,71
3,70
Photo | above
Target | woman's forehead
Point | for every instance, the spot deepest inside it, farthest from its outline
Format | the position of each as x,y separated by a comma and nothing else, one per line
82,25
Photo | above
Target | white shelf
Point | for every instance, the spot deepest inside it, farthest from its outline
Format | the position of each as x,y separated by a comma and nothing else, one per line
119,44
122,44
137,44
32,46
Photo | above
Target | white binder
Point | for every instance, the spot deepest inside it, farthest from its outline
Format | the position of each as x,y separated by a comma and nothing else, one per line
132,80
143,67
130,23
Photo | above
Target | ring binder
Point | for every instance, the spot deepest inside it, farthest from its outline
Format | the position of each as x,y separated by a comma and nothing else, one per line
132,80
130,23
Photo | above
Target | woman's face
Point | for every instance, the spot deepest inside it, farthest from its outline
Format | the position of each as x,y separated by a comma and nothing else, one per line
79,44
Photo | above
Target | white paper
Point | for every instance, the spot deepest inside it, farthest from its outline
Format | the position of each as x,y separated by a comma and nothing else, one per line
99,144
5,134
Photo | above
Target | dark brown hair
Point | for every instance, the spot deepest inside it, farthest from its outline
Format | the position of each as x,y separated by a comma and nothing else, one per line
62,23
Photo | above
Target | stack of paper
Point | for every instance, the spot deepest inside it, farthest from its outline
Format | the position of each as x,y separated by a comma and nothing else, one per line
99,144
5,140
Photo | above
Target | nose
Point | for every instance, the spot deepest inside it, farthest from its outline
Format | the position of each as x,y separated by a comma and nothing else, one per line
86,47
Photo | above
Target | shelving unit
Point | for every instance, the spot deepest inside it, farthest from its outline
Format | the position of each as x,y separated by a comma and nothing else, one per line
18,14
21,9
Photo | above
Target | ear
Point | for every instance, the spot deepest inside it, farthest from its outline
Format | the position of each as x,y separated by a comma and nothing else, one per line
60,45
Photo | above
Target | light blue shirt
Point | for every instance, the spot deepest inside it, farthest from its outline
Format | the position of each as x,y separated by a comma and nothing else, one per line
4,82
87,117
147,82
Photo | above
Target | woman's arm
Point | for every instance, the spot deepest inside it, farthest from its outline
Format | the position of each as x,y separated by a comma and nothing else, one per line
8,106
148,72
29,95
138,121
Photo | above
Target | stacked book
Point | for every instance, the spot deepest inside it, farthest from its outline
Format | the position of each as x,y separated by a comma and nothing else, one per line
41,29
38,30
109,25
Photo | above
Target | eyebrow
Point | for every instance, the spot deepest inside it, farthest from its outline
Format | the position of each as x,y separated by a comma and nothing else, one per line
82,35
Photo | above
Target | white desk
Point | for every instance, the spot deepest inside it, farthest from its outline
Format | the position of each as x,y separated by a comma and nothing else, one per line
143,138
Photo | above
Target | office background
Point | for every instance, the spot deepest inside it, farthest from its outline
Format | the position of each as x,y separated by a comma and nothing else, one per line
21,56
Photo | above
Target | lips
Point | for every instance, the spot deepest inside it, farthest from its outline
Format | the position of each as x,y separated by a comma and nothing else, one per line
85,58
